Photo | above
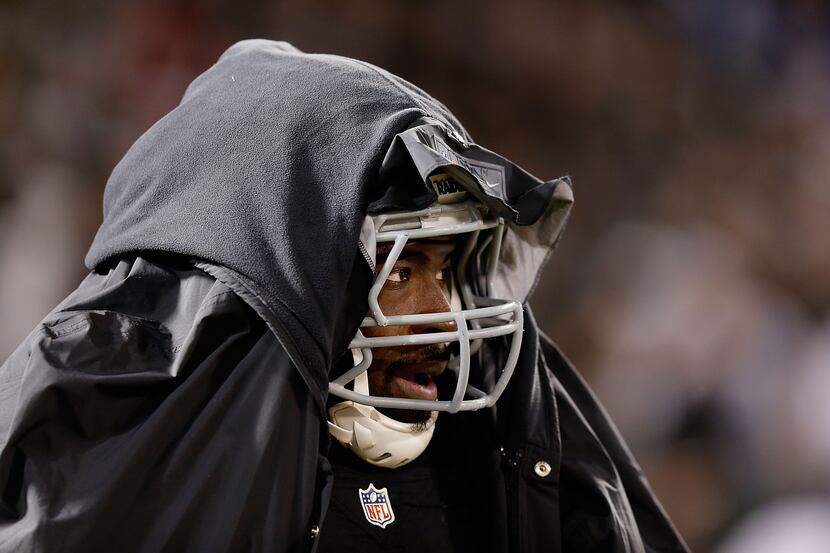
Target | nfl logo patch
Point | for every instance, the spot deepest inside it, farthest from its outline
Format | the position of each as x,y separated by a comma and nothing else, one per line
376,506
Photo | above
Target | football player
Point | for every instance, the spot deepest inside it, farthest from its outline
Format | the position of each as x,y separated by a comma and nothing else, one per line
306,327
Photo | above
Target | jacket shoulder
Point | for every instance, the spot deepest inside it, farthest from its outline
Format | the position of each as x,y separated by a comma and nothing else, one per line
150,384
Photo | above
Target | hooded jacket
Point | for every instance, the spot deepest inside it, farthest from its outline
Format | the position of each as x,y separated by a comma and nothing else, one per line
176,400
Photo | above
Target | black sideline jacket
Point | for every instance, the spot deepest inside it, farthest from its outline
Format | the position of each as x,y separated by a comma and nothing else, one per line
175,401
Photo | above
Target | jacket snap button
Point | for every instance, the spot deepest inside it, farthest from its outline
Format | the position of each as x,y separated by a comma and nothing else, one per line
315,531
542,468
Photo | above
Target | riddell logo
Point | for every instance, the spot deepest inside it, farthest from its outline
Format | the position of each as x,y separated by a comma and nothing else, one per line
447,188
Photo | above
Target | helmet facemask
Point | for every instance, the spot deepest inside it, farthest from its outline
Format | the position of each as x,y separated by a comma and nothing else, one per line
476,316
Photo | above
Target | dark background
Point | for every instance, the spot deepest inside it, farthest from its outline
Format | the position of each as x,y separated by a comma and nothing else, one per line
692,286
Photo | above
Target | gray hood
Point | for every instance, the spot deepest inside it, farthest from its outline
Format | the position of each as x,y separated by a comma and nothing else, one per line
268,167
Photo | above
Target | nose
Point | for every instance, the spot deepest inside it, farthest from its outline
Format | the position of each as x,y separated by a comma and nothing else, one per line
432,298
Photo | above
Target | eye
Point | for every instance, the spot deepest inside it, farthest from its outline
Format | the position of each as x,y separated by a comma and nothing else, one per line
400,274
444,274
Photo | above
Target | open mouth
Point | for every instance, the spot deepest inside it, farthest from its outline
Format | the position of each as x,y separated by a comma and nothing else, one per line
411,373
416,381
422,379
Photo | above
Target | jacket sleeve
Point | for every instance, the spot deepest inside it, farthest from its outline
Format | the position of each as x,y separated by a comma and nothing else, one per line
154,411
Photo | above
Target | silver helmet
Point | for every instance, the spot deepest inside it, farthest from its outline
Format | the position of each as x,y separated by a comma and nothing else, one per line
476,316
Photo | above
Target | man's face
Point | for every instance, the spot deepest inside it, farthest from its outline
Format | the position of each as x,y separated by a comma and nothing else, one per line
418,283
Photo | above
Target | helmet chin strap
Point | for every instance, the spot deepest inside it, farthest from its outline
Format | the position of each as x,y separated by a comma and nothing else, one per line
374,437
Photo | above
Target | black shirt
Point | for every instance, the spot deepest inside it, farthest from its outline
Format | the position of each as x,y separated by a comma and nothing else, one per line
451,498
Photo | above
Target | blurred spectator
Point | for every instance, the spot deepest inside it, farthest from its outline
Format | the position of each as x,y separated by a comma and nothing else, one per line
797,524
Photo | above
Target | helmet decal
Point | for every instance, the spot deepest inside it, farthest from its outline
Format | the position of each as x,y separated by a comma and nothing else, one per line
448,189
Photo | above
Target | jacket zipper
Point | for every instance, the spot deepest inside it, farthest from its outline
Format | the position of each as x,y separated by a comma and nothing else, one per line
515,509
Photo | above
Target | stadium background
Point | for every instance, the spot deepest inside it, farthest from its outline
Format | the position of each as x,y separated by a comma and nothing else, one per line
692,287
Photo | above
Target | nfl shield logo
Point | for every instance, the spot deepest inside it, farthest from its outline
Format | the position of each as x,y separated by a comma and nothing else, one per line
376,506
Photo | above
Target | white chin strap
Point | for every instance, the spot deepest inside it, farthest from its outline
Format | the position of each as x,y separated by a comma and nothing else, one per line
374,437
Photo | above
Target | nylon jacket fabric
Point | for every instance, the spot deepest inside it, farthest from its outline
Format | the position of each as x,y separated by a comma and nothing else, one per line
175,401
149,412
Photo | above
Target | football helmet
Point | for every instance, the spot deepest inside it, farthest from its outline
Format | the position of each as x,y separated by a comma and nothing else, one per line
477,317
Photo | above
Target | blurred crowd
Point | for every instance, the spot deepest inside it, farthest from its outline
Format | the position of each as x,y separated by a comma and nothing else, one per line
692,287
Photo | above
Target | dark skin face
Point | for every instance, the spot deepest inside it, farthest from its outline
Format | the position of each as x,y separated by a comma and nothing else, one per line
419,283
